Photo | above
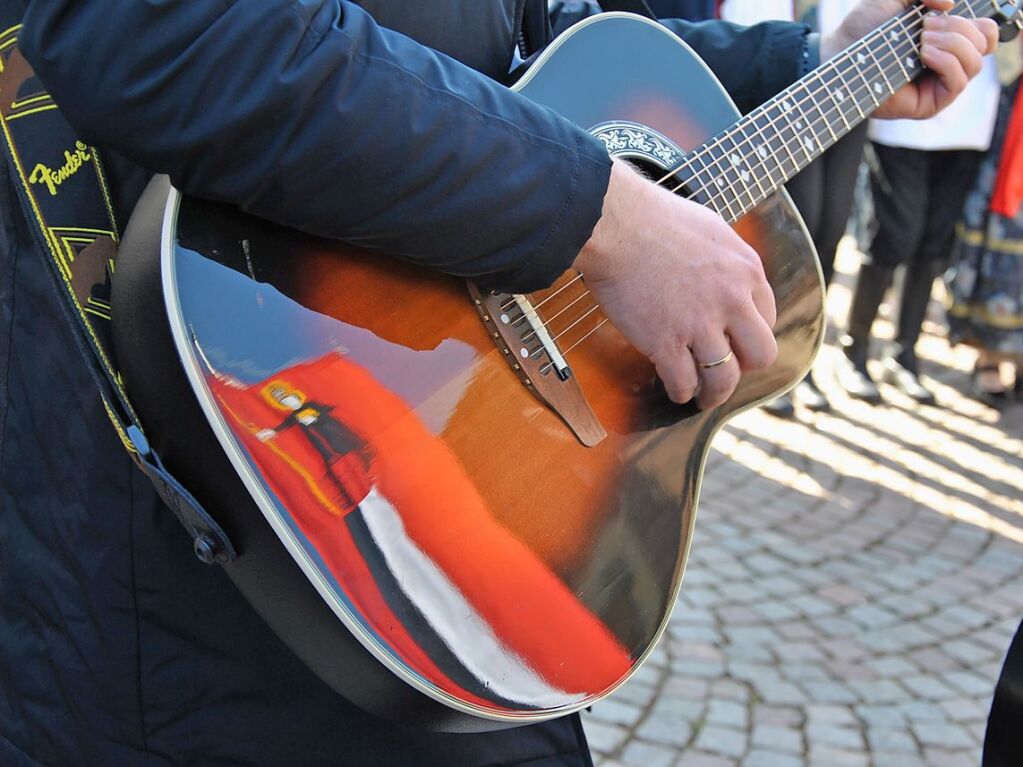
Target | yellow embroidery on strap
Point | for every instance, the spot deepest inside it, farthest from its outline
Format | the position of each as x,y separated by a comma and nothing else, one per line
73,163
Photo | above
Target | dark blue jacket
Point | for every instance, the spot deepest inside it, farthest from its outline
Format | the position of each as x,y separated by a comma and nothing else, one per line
116,646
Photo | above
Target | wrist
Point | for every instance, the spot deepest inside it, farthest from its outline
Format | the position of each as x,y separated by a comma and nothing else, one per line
598,254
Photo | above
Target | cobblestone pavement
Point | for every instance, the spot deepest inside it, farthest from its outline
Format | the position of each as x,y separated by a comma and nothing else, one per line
854,583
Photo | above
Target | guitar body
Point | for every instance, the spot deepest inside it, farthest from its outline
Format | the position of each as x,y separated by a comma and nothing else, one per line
430,536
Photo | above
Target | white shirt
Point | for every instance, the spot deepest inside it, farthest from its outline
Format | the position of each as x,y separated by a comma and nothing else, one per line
967,123
830,13
754,11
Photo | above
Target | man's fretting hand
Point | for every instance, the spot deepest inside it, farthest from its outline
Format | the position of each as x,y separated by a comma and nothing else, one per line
952,49
681,286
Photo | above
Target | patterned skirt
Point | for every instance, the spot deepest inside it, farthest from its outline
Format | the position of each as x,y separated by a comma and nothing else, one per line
985,280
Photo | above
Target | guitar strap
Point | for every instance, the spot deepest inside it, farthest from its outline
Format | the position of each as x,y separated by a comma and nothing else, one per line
63,193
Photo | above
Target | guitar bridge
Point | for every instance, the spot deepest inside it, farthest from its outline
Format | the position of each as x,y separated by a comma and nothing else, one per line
521,335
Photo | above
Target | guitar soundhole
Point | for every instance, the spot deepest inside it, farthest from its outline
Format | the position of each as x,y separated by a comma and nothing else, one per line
653,153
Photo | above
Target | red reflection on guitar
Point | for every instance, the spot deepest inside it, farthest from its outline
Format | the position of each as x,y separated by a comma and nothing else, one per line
401,526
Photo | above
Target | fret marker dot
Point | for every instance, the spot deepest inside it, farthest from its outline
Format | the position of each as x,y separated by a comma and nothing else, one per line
720,182
861,59
744,175
808,142
895,35
878,88
910,62
762,151
785,106
839,95
735,160
799,124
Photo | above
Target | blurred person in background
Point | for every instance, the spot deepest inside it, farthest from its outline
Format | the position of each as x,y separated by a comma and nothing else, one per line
923,174
985,280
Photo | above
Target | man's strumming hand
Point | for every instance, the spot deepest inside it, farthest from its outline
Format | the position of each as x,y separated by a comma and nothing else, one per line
681,286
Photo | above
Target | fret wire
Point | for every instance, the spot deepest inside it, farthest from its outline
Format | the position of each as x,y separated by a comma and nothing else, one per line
838,103
756,176
761,152
815,102
723,175
888,40
887,82
870,90
734,165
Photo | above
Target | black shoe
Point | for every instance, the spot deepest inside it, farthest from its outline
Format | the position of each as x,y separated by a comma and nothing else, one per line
810,397
906,380
852,376
780,406
992,397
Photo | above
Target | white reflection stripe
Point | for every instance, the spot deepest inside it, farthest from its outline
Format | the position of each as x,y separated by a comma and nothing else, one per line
469,637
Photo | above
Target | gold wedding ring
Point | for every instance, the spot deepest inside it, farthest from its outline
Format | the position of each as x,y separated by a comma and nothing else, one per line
721,361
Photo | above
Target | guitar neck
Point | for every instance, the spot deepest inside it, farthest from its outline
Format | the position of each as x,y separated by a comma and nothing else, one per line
739,168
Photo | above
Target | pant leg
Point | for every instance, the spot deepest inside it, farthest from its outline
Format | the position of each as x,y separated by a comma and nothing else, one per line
951,175
901,200
899,190
841,164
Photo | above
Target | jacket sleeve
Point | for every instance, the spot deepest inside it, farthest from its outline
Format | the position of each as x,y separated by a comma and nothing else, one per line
308,113
753,63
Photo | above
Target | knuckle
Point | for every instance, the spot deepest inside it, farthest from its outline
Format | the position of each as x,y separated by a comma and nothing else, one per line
737,297
764,354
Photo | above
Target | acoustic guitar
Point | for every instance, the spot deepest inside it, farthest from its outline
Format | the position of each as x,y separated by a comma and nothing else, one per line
465,510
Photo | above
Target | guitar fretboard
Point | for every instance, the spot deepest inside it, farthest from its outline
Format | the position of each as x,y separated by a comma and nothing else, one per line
739,168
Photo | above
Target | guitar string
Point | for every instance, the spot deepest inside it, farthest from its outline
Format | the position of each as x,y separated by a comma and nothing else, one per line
511,302
892,64
565,308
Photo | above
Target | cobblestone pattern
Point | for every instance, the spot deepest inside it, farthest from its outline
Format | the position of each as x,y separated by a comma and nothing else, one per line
853,586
